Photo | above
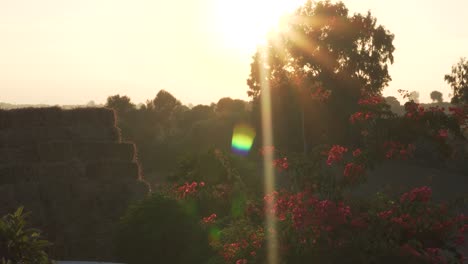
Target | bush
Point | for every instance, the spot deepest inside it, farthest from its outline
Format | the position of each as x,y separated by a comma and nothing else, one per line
160,230
21,245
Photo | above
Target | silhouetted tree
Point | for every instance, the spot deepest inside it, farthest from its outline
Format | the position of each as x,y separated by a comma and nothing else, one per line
121,104
164,103
436,96
394,104
321,46
227,104
458,80
414,96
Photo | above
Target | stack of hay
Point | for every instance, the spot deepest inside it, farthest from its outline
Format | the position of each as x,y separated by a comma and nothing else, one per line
71,170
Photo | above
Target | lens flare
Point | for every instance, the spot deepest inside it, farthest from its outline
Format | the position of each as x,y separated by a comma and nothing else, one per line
242,139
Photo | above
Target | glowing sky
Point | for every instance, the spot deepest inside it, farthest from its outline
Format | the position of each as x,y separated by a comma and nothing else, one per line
74,51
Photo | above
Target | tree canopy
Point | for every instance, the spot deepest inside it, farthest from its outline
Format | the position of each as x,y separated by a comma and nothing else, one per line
436,96
458,80
321,51
322,43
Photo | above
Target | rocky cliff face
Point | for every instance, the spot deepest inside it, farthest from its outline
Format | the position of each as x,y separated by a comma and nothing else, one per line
70,169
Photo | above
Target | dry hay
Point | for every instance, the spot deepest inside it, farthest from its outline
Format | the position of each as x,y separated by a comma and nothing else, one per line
55,116
105,151
55,151
15,137
28,117
13,174
22,154
90,116
113,170
94,133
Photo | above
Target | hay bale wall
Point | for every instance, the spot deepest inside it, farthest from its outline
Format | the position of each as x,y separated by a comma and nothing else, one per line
71,170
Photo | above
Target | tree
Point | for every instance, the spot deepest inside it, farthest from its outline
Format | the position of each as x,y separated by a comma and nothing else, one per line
436,96
414,96
458,80
394,104
321,47
165,103
121,104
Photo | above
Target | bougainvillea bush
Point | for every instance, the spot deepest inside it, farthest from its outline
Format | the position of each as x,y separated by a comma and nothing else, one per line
317,220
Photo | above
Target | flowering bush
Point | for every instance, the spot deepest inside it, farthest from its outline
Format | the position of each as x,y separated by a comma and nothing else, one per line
316,222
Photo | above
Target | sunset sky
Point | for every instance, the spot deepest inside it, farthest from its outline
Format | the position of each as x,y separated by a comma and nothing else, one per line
75,51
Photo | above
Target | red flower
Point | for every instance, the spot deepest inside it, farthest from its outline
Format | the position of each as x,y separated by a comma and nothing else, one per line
353,170
335,154
421,194
357,152
373,100
443,133
210,219
281,164
385,214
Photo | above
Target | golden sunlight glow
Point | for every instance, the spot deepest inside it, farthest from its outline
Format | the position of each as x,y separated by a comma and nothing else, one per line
243,24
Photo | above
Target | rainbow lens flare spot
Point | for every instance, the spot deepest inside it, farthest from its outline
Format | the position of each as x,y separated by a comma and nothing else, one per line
242,139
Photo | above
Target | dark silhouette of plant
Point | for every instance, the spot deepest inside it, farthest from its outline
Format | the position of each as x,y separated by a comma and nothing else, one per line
436,96
121,104
20,244
414,96
322,54
458,80
160,230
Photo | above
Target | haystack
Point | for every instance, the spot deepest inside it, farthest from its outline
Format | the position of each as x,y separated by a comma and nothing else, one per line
71,170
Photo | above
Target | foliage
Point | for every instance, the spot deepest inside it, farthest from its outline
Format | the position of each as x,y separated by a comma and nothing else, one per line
20,244
160,229
436,96
321,54
458,80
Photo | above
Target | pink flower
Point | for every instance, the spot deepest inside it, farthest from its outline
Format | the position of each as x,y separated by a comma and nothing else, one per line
357,152
373,100
421,194
385,214
241,261
210,219
353,170
443,133
335,154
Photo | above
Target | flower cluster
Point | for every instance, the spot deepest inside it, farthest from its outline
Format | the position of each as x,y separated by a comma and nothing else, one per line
373,100
352,171
281,164
188,189
394,149
414,111
321,94
360,116
335,154
357,152
460,114
209,219
421,194
244,247
309,214
442,133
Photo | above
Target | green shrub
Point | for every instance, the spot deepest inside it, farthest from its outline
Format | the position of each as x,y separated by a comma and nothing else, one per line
160,230
19,244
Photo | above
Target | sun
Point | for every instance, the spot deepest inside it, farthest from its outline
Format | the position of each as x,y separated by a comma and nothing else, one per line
243,24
